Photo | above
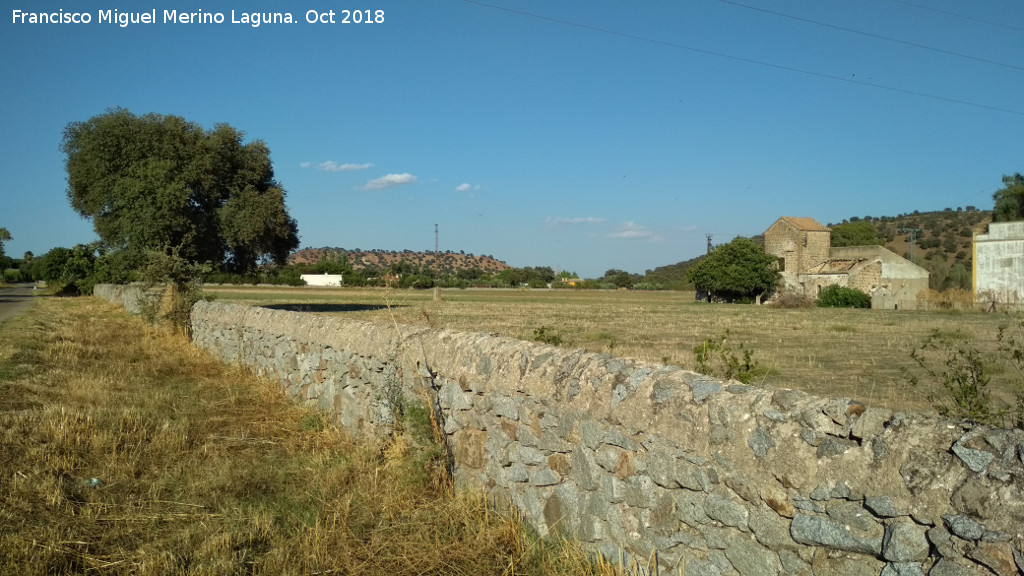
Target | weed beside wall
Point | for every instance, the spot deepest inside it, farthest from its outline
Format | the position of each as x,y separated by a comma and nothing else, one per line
965,372
718,357
155,303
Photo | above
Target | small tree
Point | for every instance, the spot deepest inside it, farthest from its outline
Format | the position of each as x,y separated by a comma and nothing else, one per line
739,270
4,236
1009,200
620,278
74,269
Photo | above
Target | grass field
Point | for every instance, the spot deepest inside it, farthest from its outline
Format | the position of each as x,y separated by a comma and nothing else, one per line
861,354
123,450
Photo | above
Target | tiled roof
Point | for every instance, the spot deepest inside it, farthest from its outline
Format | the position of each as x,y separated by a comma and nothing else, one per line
806,224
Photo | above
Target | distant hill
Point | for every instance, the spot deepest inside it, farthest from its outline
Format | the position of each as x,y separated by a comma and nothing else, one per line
449,262
672,277
941,235
941,241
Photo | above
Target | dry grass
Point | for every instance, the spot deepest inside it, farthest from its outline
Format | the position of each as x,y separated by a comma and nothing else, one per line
125,451
861,354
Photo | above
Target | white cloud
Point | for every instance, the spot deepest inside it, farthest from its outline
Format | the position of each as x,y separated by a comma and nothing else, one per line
560,221
332,166
305,164
466,187
390,181
632,230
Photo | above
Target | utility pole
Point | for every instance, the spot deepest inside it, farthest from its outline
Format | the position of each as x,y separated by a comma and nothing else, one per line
437,290
912,236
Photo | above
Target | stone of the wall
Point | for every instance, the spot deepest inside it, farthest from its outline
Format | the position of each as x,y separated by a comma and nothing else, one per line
717,477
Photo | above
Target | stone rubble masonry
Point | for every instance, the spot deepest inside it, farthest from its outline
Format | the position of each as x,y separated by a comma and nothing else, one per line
709,476
129,296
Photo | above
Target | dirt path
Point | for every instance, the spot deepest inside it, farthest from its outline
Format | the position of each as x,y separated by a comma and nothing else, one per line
15,300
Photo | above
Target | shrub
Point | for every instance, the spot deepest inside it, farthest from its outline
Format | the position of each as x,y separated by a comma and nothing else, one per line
647,286
836,296
791,299
416,281
547,336
716,357
185,281
965,372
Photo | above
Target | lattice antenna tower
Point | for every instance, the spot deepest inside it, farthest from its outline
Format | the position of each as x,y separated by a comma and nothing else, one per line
913,234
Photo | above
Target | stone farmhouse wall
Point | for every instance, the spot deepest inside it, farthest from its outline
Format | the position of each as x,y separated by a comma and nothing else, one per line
799,243
711,477
868,277
900,276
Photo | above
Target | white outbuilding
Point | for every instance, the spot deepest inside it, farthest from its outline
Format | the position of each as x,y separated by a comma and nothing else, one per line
999,264
322,279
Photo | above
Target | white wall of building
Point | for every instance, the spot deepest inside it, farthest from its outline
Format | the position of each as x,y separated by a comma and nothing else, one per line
322,279
999,263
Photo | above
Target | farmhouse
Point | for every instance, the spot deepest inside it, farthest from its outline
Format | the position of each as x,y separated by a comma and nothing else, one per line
999,263
808,263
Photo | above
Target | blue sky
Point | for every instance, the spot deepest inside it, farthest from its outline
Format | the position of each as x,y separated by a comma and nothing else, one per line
582,135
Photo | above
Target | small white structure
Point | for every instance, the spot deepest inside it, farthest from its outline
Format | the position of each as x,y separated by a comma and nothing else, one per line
322,279
999,263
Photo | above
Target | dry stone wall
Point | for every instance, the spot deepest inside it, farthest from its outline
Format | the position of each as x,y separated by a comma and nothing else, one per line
132,297
713,477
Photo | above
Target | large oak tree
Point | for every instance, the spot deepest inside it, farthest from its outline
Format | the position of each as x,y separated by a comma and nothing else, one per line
739,270
161,183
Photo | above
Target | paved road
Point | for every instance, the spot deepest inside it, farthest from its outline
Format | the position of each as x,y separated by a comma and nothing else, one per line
15,300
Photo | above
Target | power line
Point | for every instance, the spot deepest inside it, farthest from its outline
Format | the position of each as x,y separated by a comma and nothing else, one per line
872,35
954,14
748,60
